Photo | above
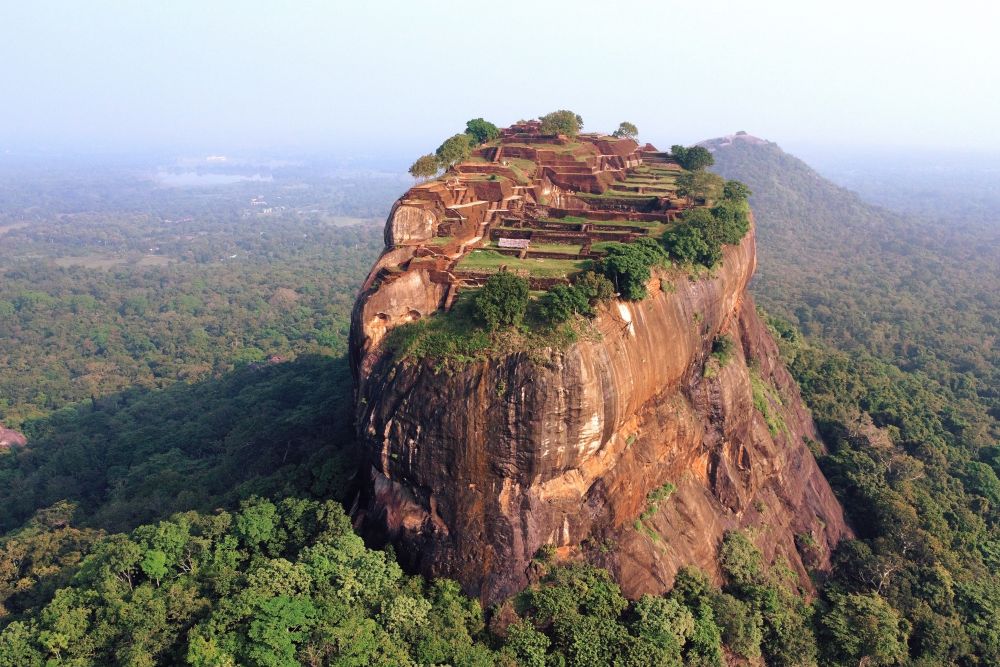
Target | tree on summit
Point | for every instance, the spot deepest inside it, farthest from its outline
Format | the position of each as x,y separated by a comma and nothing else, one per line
425,166
481,130
454,149
626,130
561,122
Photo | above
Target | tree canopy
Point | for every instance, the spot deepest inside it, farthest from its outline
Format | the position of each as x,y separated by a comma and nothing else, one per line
481,130
626,130
455,148
692,158
425,166
628,265
561,122
503,300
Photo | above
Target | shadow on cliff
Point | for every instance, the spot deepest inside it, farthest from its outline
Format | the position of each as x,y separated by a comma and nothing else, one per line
133,457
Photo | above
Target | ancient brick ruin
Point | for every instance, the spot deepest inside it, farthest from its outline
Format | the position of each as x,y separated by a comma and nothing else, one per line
563,198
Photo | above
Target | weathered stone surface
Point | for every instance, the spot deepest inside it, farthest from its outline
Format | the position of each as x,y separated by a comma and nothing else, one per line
472,472
11,438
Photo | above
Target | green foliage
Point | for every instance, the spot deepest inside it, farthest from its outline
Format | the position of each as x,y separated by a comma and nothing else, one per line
723,348
702,233
139,327
503,300
699,186
740,560
692,158
561,302
741,625
628,265
425,166
481,130
626,130
561,122
862,629
736,191
526,645
132,457
898,458
654,498
455,148
305,588
764,399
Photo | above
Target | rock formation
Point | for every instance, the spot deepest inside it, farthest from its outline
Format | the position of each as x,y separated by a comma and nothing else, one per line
11,438
473,470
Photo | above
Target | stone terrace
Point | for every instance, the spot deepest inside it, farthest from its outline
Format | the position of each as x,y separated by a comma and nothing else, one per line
544,206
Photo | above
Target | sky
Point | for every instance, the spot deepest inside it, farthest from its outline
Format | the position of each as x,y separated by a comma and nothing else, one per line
378,76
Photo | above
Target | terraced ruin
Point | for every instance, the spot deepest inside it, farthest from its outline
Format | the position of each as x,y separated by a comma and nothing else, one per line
540,205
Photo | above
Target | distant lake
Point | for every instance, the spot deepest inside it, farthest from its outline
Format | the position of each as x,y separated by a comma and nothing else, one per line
189,179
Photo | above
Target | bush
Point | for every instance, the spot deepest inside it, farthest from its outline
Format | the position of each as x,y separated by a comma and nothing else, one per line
686,244
563,301
722,348
502,301
700,237
741,625
628,265
732,219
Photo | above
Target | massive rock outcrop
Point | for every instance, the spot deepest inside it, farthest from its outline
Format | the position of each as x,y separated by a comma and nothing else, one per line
474,469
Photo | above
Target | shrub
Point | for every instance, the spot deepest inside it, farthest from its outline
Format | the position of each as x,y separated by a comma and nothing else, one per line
700,237
722,348
741,625
628,265
686,244
732,219
502,301
562,302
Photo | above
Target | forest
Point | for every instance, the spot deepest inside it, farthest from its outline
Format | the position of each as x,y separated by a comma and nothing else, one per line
181,500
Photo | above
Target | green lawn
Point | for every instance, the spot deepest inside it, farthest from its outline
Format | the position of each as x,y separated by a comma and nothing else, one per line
487,261
612,194
565,248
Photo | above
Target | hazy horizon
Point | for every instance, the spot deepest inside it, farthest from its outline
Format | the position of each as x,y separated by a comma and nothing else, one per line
393,77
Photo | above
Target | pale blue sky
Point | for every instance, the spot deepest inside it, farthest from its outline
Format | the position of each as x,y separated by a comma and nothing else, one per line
245,75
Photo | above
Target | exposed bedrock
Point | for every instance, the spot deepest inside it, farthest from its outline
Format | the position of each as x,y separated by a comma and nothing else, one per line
473,471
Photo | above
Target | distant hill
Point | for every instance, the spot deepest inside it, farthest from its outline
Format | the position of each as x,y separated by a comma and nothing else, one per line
918,291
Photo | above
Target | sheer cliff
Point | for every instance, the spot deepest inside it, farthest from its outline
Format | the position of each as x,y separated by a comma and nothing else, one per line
634,447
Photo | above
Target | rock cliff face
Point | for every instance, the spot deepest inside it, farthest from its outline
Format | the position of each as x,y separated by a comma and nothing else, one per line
472,471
